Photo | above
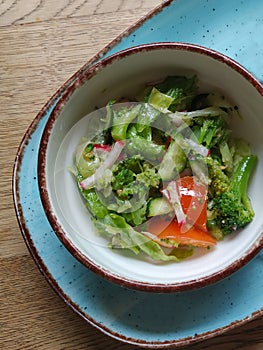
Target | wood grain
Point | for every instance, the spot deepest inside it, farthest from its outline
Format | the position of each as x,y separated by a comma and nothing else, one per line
20,11
42,43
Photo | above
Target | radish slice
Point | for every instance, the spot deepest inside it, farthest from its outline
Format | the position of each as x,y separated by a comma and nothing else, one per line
103,147
108,163
102,151
171,193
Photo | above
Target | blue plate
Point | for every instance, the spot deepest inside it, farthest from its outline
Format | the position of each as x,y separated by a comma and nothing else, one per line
234,28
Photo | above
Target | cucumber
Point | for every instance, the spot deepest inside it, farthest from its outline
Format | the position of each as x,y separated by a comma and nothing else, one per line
159,206
174,161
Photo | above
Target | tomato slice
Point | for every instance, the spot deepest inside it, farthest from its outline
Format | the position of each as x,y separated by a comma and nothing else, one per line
183,236
193,198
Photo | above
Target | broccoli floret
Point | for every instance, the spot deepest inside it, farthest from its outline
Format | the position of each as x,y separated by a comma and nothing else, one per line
232,208
219,181
212,131
122,179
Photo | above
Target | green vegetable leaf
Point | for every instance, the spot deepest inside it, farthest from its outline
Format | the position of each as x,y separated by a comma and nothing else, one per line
160,101
181,89
122,235
136,217
121,121
147,115
141,130
147,149
94,204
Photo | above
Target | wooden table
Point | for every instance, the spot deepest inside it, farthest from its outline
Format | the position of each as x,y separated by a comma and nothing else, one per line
42,43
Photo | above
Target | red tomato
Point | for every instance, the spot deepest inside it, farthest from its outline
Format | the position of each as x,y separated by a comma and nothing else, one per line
172,231
193,198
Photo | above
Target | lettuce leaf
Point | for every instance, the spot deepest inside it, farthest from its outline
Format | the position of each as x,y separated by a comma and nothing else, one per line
122,235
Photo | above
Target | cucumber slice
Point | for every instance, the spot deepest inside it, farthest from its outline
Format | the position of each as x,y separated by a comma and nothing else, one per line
174,161
159,206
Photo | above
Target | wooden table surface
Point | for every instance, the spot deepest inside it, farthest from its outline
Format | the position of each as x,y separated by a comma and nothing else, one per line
42,43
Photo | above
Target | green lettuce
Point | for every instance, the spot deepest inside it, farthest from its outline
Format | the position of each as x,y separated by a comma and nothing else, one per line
123,236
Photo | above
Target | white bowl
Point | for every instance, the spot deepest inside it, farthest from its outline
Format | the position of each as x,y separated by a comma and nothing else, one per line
124,74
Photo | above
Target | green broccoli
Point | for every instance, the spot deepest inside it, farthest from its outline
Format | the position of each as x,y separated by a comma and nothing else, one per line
214,134
232,209
211,131
219,181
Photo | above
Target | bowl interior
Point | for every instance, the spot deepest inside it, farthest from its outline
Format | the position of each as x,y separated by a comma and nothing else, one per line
125,76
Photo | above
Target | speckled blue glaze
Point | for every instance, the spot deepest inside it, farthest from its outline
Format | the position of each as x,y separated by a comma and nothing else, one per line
231,27
234,28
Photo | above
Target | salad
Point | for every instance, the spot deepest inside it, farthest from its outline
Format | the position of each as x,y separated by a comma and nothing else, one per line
166,176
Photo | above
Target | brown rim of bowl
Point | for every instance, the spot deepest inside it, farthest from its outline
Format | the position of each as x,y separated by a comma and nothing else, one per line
82,77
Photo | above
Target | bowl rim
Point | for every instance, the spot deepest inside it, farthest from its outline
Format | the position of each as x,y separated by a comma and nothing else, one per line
80,78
